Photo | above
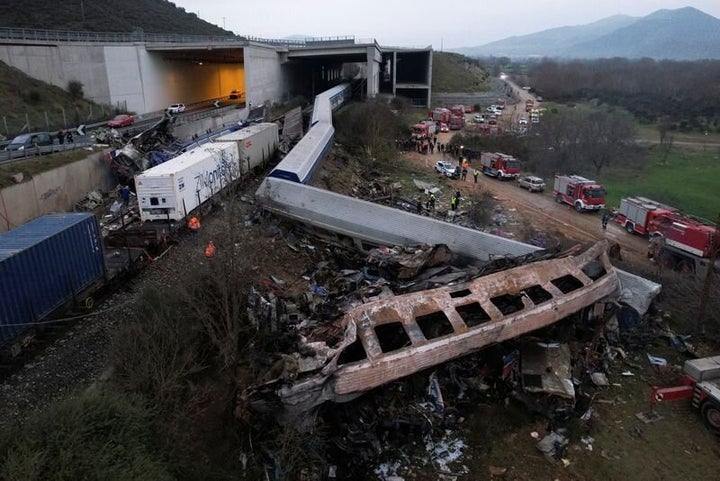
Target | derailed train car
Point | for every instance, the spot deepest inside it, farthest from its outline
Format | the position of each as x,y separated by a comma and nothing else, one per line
301,161
257,144
170,191
44,265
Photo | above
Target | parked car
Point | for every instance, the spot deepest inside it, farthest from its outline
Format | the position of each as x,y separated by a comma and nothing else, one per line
444,127
447,168
28,141
531,183
523,120
122,120
175,108
479,119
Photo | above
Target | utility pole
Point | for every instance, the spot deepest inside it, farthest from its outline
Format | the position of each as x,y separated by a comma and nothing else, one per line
82,9
223,23
714,252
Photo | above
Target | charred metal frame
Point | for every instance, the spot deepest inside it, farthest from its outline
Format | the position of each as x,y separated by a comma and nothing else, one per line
392,338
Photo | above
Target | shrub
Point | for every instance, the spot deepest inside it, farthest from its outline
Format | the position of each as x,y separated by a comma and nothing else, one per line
96,435
75,89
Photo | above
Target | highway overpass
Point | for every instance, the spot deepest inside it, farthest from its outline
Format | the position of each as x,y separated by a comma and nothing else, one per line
144,72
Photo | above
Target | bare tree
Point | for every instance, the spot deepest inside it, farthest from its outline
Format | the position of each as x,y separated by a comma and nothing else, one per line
666,138
572,140
369,129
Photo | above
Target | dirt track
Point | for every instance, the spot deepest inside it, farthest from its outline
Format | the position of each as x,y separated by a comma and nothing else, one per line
540,210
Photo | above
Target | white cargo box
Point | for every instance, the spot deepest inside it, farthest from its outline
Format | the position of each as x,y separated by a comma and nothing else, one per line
256,143
177,187
703,369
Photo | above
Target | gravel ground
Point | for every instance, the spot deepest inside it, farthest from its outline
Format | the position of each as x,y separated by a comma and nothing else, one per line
74,361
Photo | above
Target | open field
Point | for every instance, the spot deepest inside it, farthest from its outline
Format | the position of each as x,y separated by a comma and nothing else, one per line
687,178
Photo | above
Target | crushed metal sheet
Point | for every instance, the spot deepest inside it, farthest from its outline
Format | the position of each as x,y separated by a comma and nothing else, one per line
638,292
546,368
407,263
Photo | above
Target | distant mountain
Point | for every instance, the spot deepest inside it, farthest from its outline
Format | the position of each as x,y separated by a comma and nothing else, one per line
681,34
548,43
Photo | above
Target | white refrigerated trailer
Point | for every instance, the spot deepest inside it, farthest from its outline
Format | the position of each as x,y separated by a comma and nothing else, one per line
175,188
257,144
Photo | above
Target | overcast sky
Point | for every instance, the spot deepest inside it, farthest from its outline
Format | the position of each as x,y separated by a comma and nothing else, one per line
414,23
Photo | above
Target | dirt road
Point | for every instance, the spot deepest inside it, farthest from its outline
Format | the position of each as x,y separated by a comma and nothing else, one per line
542,213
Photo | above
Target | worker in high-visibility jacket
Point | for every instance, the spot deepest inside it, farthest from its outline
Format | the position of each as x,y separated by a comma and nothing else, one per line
194,226
210,250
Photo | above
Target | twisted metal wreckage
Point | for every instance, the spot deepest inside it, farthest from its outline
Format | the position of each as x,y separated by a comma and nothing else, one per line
391,337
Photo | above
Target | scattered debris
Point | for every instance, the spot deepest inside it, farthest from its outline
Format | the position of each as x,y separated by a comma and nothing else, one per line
649,416
389,338
553,445
90,202
496,470
657,361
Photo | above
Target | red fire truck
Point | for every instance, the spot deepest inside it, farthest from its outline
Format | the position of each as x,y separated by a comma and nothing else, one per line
424,129
501,166
458,110
581,193
441,115
677,242
636,214
456,122
700,382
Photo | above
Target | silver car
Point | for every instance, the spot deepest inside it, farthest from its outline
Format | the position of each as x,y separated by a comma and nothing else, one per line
447,168
531,183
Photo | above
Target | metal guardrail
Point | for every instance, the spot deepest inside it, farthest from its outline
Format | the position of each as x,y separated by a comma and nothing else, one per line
81,142
40,35
108,37
9,155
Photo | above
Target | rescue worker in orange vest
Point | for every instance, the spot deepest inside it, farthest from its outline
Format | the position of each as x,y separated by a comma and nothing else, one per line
210,250
194,226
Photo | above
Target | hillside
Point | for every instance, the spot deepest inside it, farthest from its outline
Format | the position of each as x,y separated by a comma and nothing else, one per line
152,16
21,96
452,72
680,34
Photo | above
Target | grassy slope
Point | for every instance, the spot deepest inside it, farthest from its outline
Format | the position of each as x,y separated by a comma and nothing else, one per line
21,95
452,72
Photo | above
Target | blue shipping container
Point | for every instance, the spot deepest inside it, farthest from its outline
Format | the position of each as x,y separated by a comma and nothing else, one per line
43,265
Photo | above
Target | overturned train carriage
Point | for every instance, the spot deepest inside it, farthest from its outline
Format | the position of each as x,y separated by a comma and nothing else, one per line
389,339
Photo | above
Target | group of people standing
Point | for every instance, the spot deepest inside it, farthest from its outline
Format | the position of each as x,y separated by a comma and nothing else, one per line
423,145
63,136
194,227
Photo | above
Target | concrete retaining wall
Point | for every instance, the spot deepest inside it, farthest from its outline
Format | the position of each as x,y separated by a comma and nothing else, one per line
266,78
56,190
